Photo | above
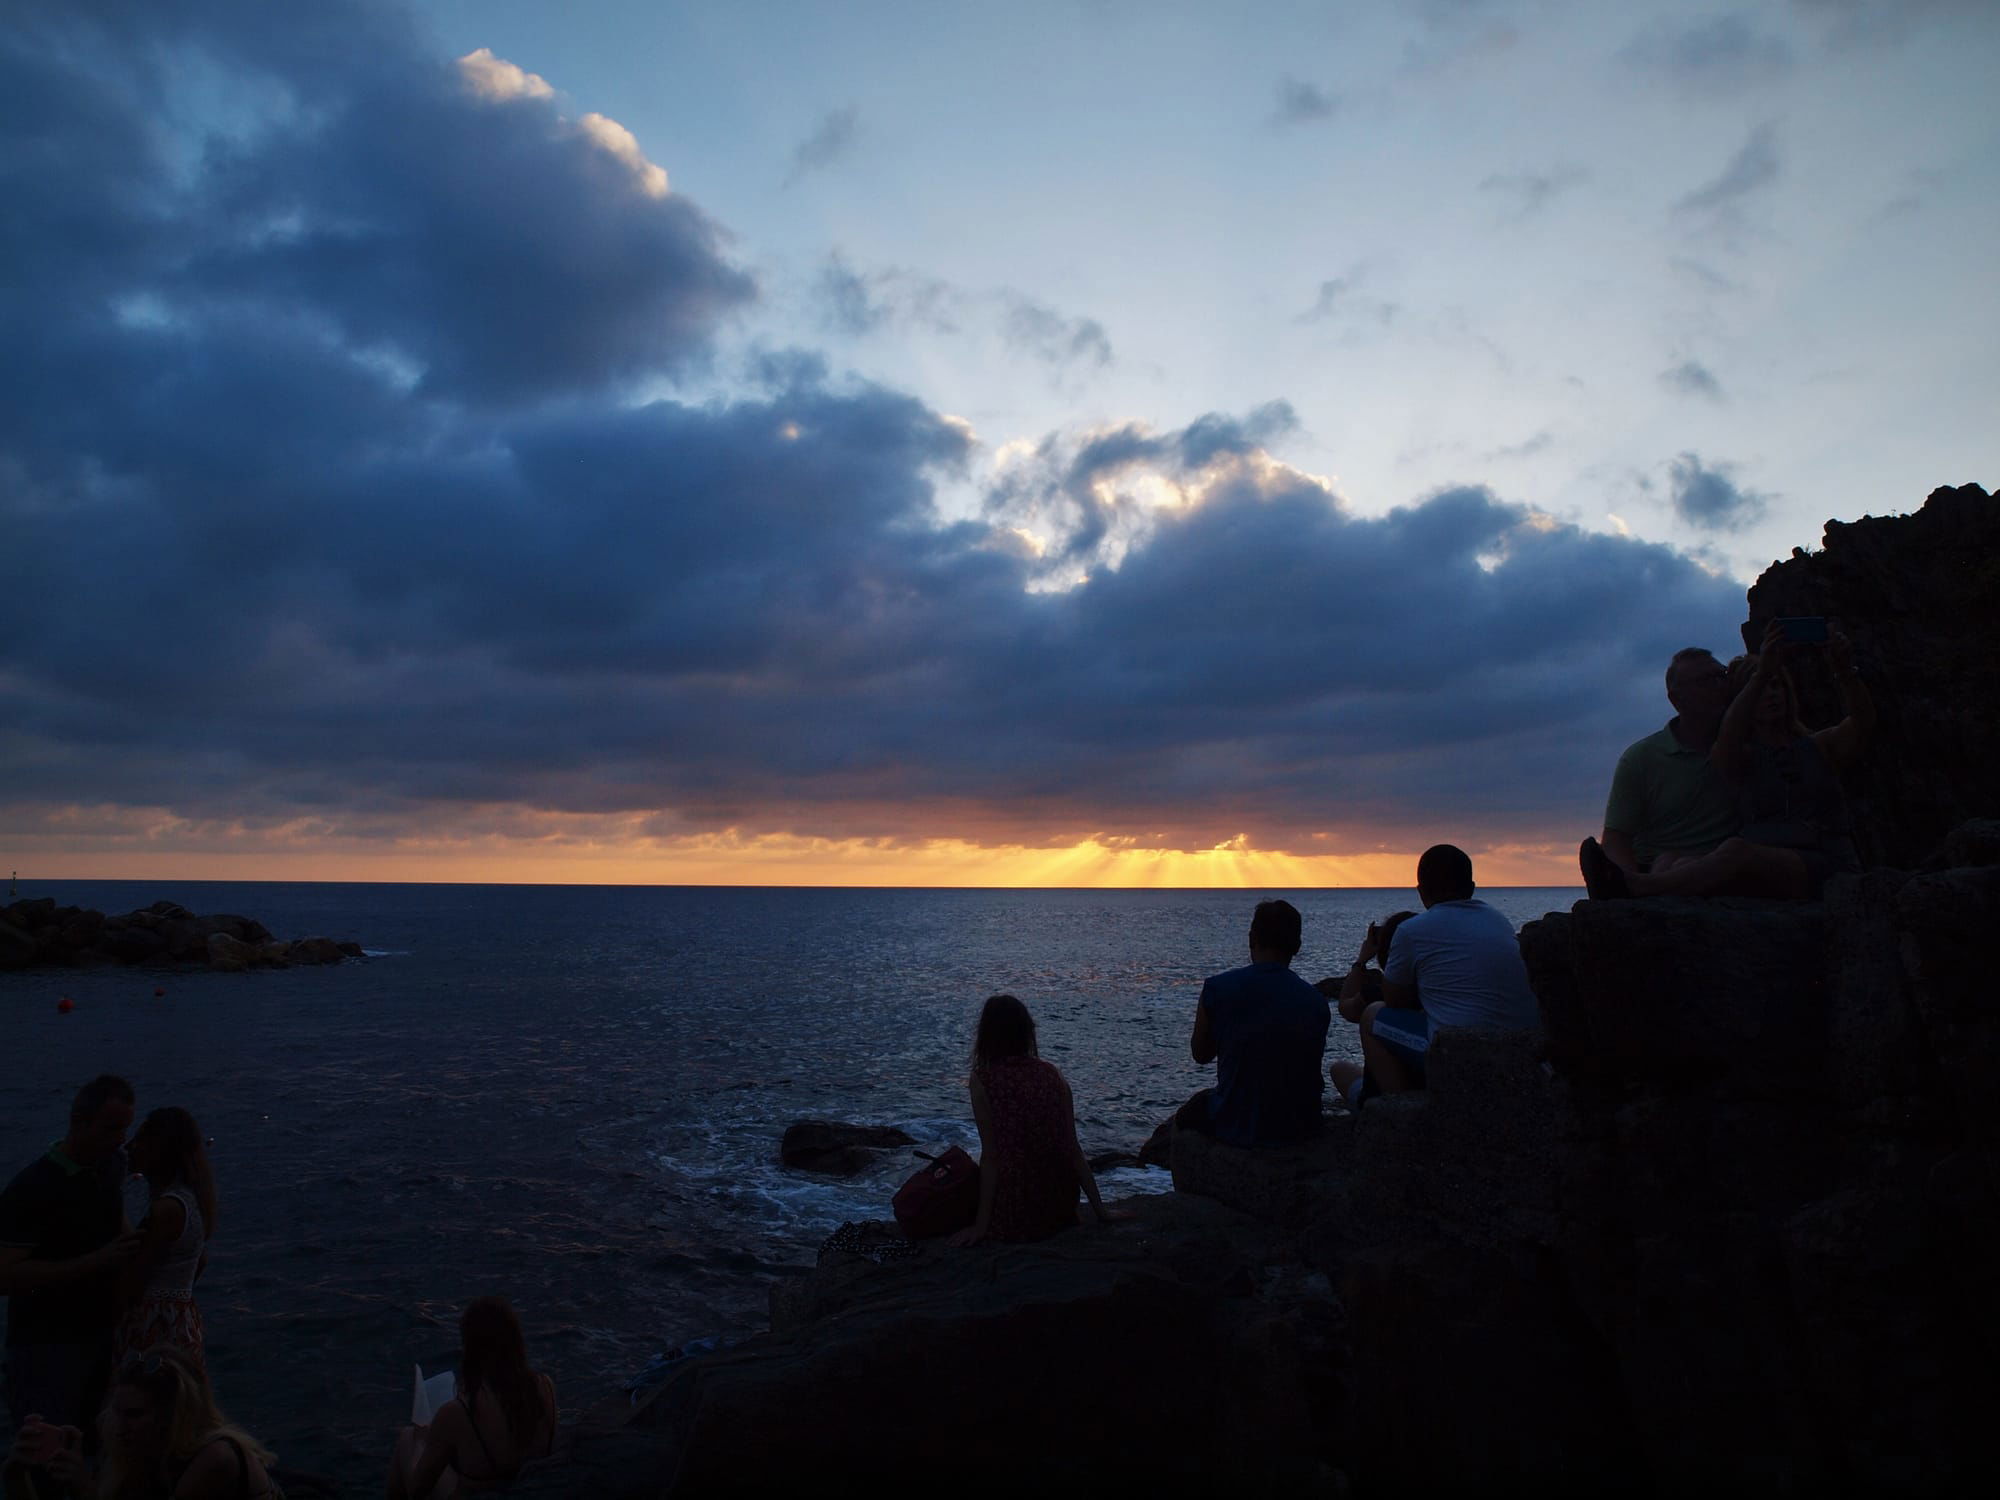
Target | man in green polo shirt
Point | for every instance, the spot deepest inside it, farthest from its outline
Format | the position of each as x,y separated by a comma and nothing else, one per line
63,1238
1666,803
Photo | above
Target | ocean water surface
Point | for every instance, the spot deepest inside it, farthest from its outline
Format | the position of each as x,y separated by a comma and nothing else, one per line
573,1096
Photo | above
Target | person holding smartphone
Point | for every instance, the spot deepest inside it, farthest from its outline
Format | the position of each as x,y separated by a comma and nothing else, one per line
1361,989
1794,834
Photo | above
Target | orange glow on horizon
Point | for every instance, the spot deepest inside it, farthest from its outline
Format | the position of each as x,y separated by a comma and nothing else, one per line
738,859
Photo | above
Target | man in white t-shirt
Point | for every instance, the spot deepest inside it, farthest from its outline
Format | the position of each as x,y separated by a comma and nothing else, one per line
1457,963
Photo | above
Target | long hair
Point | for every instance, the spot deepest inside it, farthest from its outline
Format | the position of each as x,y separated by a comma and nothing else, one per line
179,1156
175,1387
1005,1030
494,1357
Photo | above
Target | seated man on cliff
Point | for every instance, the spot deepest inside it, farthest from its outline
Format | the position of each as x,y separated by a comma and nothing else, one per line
1265,1030
1667,804
1457,963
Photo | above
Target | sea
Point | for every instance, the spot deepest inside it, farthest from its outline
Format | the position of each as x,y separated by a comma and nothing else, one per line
573,1096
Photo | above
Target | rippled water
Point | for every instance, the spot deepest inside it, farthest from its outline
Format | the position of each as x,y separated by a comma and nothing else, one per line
573,1095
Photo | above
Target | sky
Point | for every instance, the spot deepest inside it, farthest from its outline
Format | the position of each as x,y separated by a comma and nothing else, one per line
919,444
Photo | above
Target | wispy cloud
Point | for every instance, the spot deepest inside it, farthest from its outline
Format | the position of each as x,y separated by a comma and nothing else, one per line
1528,193
859,303
832,139
1343,300
1302,103
1754,168
1692,378
1718,56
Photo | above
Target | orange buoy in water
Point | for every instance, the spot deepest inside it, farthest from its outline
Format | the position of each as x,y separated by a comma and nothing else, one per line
158,993
65,1005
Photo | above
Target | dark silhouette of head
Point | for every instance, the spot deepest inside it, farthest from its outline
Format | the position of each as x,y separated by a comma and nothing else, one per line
99,1116
1697,684
1005,1030
493,1355
1444,873
168,1148
1275,927
1386,933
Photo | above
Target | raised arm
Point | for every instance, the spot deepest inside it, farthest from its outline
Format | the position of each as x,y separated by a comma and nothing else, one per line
1727,753
1354,997
1844,742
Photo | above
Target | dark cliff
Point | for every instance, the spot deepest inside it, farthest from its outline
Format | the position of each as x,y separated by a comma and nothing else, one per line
1919,595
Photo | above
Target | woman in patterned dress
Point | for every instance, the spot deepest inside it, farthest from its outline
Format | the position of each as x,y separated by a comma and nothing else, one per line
1030,1165
158,1282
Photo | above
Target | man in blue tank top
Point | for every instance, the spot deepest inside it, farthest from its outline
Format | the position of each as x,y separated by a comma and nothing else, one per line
1265,1029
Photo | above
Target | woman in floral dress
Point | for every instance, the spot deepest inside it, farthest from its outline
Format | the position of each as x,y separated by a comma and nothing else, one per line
158,1282
1030,1165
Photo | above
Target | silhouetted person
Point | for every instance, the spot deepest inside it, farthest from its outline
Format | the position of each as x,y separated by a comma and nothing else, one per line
1456,963
1794,831
1666,803
1030,1165
503,1416
62,1240
1265,1030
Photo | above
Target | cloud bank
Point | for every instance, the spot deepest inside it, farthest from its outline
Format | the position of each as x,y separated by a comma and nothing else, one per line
340,495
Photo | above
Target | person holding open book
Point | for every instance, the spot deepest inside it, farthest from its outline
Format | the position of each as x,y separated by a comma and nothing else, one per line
503,1416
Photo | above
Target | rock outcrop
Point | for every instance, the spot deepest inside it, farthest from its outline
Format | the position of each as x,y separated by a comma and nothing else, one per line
1917,596
40,932
1727,1225
838,1149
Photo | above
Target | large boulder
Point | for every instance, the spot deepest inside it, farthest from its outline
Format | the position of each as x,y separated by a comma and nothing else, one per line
17,945
837,1149
1135,1360
1916,595
230,955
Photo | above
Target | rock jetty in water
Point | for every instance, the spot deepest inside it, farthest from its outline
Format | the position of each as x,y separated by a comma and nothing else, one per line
40,932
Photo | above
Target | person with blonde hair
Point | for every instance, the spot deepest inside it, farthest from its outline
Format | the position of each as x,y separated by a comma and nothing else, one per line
162,1436
157,1284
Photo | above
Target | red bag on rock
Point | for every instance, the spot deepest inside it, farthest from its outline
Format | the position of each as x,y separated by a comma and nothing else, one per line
943,1198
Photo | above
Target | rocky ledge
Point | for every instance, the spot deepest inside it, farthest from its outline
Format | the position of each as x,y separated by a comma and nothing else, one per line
41,932
1728,1225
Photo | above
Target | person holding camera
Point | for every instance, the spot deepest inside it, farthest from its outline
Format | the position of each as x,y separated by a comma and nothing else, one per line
1793,833
1360,990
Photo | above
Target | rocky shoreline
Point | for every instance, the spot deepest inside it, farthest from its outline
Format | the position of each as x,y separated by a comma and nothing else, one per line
1727,1226
39,932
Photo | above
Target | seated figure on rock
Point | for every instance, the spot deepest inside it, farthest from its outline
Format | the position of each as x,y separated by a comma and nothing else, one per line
1667,803
1457,963
1030,1165
1793,830
1265,1029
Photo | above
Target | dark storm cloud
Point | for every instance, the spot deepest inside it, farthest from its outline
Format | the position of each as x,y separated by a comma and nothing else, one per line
831,139
280,544
1754,168
1692,378
1302,103
1709,497
1713,56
